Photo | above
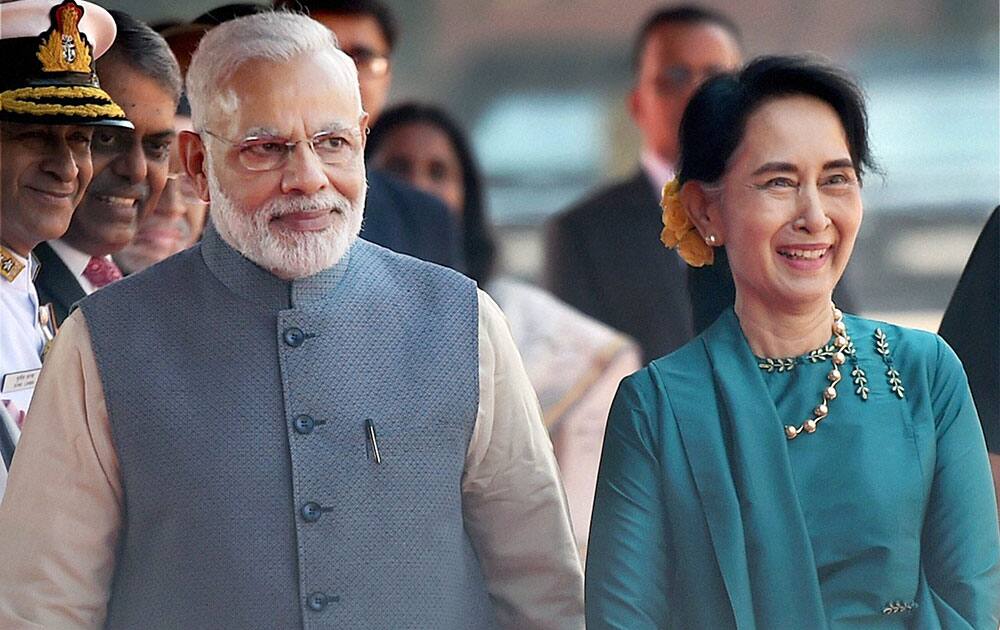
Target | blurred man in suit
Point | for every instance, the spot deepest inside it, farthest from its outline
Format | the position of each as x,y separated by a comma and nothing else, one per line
971,324
397,215
130,167
603,255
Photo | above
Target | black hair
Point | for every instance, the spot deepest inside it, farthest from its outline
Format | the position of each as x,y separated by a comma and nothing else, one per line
143,49
686,14
373,8
228,12
715,118
478,242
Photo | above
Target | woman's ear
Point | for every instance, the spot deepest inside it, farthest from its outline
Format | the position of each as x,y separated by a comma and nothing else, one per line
702,205
192,152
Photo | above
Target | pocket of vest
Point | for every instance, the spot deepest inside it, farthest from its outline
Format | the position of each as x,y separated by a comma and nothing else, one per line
411,441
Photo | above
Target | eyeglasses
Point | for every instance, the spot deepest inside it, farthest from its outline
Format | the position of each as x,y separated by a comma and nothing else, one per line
370,64
675,79
267,153
184,186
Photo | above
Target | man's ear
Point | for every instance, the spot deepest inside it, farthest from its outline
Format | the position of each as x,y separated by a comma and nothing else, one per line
703,207
634,104
192,152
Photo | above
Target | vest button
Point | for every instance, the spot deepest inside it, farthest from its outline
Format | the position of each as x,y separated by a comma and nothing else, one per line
294,337
316,601
311,512
304,424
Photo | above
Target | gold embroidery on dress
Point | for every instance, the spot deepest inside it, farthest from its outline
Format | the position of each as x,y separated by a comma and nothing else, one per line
882,347
860,381
897,606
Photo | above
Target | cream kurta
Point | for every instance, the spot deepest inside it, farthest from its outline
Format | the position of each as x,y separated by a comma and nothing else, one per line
62,516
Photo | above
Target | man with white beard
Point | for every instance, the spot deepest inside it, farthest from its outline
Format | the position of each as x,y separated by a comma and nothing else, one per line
304,429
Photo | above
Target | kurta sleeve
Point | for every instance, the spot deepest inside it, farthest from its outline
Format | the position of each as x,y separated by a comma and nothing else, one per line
961,544
60,517
513,503
626,559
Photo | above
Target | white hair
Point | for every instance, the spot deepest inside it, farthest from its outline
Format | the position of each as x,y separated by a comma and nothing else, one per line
270,36
293,255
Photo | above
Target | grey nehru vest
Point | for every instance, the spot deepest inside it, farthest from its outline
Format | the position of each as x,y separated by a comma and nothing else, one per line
239,407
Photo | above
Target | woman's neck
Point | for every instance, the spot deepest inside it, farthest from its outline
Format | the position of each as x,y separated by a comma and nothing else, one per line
784,333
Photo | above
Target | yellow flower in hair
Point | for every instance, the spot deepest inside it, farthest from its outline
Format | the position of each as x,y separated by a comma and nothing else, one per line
695,251
675,221
678,231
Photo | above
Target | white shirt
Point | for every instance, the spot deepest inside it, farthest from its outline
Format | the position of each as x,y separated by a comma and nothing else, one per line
76,261
657,170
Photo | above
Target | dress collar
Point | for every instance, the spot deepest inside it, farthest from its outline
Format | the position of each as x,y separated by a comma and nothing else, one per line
248,280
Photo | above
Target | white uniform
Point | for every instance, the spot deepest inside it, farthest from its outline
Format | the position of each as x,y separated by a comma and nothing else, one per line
21,343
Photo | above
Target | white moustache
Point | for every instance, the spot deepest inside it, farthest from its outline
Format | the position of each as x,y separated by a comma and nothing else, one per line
324,201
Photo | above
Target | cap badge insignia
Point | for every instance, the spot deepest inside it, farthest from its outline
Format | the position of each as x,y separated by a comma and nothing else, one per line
64,48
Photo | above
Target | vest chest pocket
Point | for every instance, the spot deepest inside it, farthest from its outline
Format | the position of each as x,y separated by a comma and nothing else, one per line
413,446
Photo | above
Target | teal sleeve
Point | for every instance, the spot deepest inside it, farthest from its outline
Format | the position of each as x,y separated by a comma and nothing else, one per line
626,558
961,544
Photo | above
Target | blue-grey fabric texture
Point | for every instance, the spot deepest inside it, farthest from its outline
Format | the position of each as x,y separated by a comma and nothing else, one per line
239,405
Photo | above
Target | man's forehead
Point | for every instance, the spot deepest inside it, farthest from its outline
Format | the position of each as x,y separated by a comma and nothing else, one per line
288,128
692,43
354,30
284,98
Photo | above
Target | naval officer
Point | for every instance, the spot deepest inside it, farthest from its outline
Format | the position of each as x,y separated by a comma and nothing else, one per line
49,102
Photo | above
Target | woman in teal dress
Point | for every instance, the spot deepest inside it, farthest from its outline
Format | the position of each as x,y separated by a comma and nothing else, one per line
793,466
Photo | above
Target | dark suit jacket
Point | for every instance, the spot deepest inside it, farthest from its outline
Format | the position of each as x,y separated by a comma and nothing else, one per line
604,257
972,326
409,221
55,283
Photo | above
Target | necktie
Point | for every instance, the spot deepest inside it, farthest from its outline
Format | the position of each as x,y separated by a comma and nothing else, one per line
101,272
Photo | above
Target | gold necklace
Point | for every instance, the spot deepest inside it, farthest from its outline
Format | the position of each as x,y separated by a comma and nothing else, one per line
840,342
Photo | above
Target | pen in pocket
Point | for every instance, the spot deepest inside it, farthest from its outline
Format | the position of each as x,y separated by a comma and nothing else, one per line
373,438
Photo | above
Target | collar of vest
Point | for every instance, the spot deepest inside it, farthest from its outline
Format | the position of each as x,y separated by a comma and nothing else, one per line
248,280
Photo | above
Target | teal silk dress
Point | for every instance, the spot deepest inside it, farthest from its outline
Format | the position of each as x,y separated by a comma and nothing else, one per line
707,517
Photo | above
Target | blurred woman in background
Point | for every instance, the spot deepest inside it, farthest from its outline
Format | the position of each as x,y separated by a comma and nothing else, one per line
574,362
793,466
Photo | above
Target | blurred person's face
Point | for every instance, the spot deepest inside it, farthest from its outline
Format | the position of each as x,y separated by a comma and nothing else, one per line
130,167
174,224
422,155
789,207
361,38
676,59
44,170
300,216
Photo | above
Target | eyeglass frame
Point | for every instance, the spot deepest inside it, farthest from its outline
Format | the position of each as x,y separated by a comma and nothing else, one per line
369,63
679,78
289,146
